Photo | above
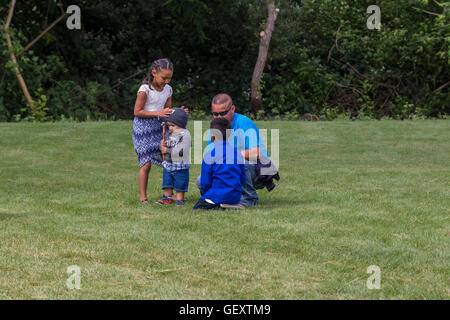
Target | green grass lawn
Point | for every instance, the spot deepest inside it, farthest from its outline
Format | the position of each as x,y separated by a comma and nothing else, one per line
352,194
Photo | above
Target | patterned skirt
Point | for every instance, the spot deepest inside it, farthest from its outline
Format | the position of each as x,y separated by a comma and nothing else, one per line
147,136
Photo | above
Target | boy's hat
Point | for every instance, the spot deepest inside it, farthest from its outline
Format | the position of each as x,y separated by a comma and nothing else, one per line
179,117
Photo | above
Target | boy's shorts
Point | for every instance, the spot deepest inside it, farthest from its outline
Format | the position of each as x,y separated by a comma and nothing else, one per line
177,180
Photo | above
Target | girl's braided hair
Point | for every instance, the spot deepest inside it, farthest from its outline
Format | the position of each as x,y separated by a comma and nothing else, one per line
157,65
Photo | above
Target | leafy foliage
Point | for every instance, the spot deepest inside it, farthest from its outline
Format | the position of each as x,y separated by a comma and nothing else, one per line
323,60
324,57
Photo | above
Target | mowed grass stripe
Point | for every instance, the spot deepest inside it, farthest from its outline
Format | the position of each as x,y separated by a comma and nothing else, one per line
352,194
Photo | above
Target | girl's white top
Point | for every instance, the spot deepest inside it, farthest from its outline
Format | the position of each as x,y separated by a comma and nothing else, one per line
155,99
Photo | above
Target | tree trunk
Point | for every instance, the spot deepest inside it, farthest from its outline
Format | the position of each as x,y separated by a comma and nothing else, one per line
22,83
266,35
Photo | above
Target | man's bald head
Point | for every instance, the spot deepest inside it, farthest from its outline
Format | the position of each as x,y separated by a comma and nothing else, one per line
222,98
222,102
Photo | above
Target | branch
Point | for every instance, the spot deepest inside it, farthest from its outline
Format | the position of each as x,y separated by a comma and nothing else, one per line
335,43
22,83
359,73
60,5
10,14
441,87
371,80
20,79
120,82
429,12
28,46
439,4
351,88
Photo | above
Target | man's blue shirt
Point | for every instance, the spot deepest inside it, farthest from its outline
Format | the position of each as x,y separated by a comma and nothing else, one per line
245,135
223,173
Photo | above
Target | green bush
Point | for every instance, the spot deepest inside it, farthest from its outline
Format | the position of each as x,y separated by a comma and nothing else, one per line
323,60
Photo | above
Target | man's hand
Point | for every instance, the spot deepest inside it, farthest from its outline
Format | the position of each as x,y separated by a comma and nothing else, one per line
251,154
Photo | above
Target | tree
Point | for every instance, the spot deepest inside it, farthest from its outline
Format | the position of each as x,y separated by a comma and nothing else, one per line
13,57
266,35
22,83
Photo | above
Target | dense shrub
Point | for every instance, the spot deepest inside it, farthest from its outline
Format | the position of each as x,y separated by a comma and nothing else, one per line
323,59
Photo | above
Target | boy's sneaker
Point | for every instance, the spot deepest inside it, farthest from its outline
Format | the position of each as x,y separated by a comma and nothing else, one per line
164,200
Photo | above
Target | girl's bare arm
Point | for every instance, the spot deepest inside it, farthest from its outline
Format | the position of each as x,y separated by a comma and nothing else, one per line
139,107
141,113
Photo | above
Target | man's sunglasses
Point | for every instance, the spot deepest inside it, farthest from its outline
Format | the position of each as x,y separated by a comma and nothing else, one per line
223,113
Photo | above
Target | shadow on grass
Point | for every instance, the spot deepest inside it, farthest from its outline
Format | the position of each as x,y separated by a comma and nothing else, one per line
278,203
274,203
7,216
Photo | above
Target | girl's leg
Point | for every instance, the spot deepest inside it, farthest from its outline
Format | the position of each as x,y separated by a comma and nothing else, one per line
143,180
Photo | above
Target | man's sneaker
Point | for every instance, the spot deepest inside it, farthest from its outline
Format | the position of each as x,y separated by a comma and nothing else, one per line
164,200
179,203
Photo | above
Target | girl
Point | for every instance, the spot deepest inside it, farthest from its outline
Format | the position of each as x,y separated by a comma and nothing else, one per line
154,101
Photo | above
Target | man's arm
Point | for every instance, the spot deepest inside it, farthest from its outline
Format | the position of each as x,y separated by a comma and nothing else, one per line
251,154
248,140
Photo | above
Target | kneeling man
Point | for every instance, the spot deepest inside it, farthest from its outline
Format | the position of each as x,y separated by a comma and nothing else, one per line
246,138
